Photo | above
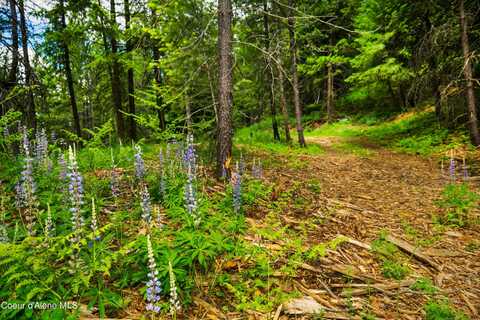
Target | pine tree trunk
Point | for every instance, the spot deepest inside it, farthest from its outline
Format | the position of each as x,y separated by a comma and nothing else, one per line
130,81
295,84
283,106
330,94
467,71
269,76
12,74
225,87
116,83
30,112
158,81
68,72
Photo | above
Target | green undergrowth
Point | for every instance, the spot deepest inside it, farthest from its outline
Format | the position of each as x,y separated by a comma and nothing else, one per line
414,133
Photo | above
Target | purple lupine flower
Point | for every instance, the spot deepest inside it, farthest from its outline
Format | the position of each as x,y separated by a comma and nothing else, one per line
190,197
158,216
174,302
237,189
452,169
139,164
26,198
63,167
154,286
465,169
189,157
145,204
41,146
75,191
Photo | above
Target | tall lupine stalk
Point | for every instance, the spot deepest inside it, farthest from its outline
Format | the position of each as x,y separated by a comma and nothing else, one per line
159,218
237,189
190,157
49,226
174,301
257,169
452,169
41,147
26,198
3,234
145,204
190,197
139,165
153,284
75,191
93,223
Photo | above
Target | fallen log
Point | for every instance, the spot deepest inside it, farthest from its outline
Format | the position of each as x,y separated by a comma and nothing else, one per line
405,246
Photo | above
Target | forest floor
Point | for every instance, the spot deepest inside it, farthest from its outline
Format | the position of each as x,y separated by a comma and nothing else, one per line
352,230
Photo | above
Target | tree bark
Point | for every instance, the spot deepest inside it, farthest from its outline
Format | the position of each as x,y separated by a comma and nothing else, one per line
330,94
68,71
30,112
12,75
269,76
225,87
130,81
295,84
158,81
467,71
116,83
283,106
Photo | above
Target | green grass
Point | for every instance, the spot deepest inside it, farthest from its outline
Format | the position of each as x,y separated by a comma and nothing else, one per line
442,310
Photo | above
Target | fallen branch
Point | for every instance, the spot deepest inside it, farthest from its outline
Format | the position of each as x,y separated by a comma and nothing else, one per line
377,287
405,246
315,296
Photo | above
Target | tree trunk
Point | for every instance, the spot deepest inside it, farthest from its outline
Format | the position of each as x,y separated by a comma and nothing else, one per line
12,75
467,71
116,83
283,106
30,112
68,71
158,81
131,85
269,75
330,94
295,85
225,87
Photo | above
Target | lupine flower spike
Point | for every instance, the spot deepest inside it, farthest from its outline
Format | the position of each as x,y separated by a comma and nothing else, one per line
3,235
153,284
190,198
465,169
41,150
93,226
189,157
26,198
49,227
75,190
139,164
237,189
145,204
174,302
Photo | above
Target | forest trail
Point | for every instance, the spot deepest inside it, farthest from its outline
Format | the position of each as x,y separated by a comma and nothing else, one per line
364,192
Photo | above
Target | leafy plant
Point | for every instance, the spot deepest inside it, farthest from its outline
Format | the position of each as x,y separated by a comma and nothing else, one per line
458,201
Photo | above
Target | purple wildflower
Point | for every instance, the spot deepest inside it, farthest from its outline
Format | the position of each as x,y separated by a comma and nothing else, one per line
174,302
49,227
63,167
452,169
190,197
153,284
75,191
26,198
145,204
41,146
237,189
189,157
139,164
158,216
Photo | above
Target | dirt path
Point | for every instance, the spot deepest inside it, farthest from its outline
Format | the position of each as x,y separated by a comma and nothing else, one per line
361,197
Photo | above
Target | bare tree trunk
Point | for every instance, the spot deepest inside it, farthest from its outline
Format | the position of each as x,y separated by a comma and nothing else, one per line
295,85
270,84
467,71
131,85
12,75
158,81
116,83
68,72
225,87
30,112
330,94
283,105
